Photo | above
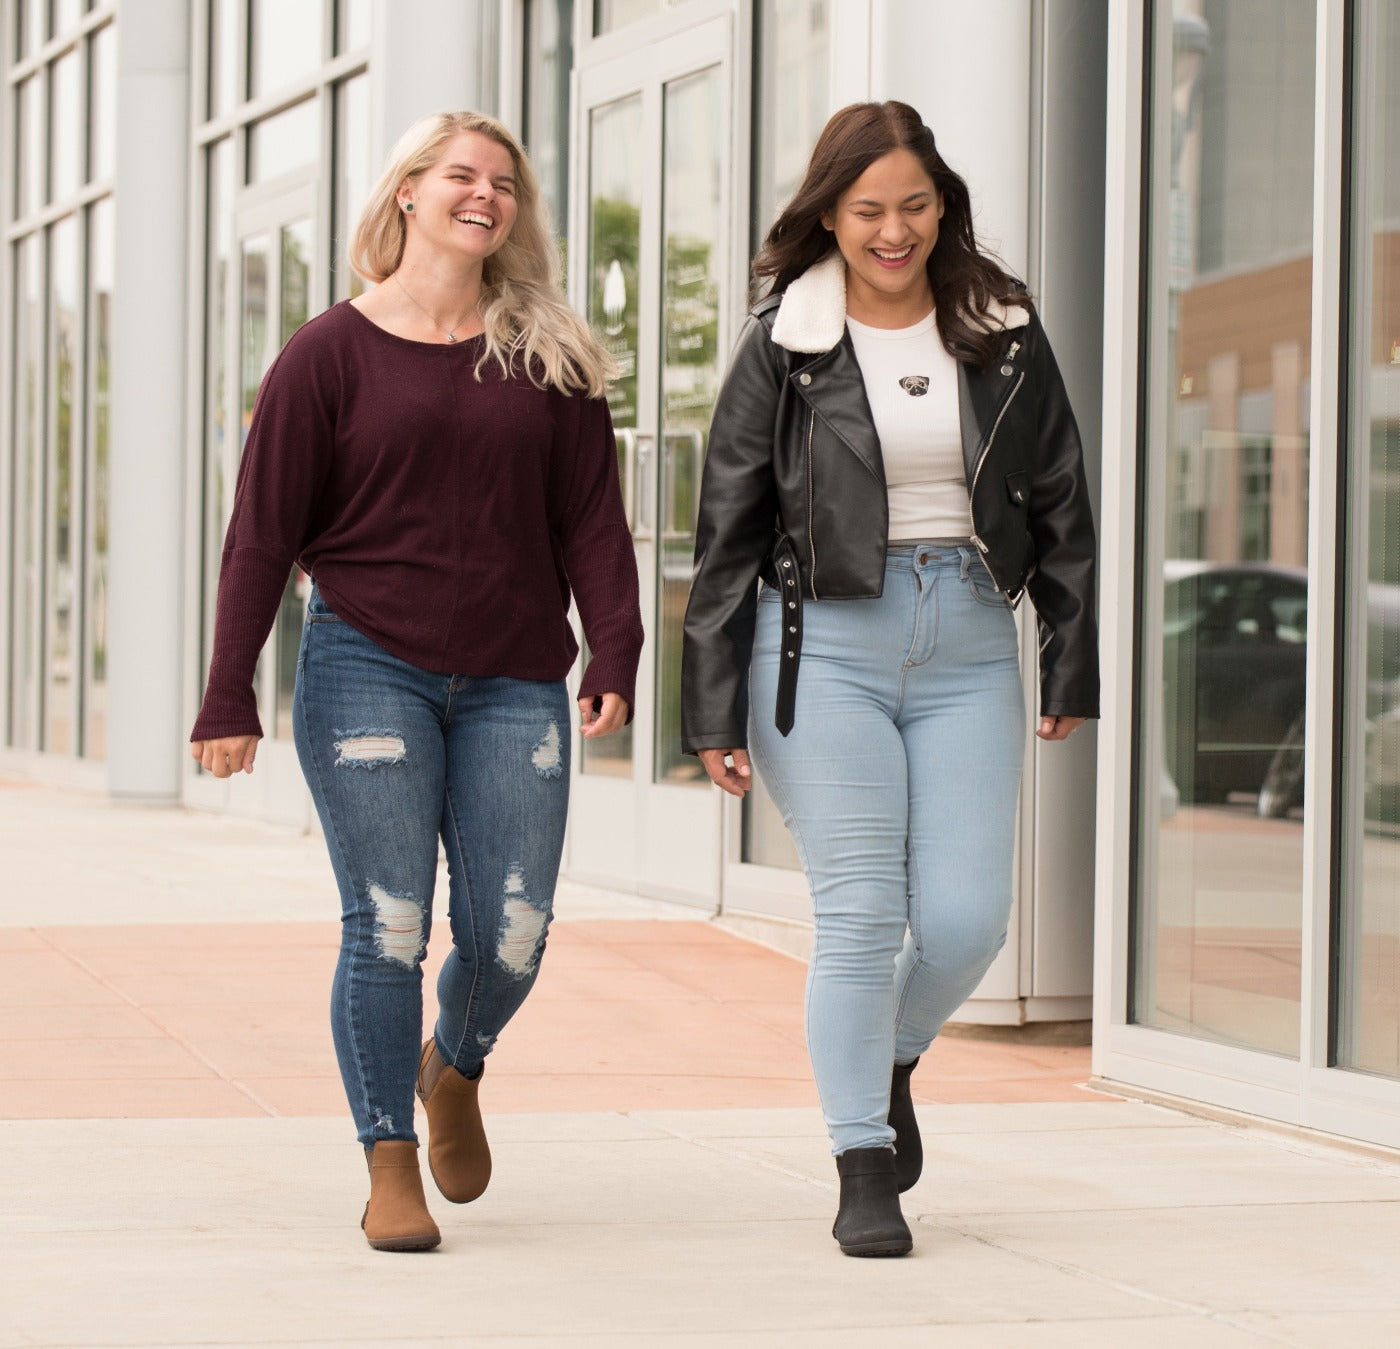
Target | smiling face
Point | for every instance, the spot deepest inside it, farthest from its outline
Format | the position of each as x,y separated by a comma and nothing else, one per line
464,204
886,224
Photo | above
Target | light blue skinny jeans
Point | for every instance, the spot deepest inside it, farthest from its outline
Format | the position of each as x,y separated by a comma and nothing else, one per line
898,783
397,757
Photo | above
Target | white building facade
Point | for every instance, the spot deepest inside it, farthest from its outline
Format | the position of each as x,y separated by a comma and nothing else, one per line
1201,194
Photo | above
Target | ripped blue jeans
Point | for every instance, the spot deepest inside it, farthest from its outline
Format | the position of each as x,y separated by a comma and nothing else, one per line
396,758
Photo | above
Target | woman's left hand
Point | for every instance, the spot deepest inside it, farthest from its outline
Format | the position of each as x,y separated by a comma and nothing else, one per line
1058,728
602,715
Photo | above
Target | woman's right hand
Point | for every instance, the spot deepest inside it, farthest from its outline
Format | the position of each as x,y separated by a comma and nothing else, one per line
735,777
223,758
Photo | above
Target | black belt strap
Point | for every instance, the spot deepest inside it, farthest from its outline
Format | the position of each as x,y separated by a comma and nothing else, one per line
790,650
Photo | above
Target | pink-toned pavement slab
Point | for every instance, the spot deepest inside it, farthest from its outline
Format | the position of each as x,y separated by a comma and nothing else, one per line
210,1020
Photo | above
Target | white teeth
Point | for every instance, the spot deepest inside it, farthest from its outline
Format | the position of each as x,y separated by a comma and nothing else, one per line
895,255
471,218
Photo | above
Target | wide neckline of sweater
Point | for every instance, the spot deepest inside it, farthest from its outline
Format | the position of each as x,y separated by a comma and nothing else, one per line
461,344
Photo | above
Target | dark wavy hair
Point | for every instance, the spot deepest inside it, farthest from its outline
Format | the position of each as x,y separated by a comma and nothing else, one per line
964,278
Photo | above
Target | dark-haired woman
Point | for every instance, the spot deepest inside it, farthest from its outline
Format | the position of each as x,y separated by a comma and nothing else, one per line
893,462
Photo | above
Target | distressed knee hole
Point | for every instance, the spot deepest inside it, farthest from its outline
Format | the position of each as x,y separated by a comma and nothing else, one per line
369,749
522,927
547,757
398,929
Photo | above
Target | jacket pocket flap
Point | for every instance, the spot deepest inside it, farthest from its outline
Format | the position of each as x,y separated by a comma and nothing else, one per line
1018,488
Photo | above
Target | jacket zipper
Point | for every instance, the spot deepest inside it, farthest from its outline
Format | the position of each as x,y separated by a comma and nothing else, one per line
811,533
982,459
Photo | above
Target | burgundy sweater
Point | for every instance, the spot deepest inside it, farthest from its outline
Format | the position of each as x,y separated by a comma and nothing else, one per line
442,517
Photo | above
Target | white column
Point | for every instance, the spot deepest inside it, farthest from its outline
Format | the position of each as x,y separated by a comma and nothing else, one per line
145,737
427,58
966,66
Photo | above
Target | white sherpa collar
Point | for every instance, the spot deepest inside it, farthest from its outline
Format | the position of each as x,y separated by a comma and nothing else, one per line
812,313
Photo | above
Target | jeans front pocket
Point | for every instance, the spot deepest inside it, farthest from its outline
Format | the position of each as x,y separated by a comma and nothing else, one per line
984,592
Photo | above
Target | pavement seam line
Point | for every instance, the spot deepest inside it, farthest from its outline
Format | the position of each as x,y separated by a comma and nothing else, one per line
733,1154
180,1040
1105,1281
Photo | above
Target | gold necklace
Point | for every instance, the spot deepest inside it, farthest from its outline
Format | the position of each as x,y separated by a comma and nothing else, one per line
449,333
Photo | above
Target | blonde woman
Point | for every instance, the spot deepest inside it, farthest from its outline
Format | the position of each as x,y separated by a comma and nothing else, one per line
437,454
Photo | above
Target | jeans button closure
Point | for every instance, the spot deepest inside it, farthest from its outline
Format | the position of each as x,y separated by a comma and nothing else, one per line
923,559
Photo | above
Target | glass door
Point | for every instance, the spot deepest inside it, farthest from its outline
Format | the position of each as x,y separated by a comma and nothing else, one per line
270,290
653,226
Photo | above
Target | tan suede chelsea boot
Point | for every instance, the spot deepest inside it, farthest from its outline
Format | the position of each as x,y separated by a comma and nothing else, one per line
396,1217
459,1156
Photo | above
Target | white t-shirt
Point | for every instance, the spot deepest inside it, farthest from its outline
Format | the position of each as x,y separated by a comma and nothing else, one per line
911,383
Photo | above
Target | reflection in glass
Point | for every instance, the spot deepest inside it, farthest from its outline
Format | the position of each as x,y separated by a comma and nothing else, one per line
35,16
60,645
793,50
66,138
1220,876
287,40
352,25
284,142
104,101
25,640
793,58
256,355
102,263
219,456
29,103
614,255
253,325
1369,1004
352,177
295,306
611,14
691,264
225,85
549,59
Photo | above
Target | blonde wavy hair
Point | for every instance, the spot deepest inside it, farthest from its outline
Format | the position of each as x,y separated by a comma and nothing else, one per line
523,307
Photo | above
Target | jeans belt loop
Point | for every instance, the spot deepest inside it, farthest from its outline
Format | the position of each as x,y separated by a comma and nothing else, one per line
789,633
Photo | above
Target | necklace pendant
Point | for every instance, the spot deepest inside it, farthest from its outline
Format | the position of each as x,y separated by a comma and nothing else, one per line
451,337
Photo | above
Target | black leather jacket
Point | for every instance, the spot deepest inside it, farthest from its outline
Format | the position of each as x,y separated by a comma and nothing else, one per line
794,490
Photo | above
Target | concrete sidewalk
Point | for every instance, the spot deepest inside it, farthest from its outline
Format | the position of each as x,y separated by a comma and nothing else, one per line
177,1168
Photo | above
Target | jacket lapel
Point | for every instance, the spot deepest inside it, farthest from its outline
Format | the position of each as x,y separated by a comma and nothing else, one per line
836,393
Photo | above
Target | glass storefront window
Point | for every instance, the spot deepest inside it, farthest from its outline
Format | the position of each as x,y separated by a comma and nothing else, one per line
611,14
1369,1002
352,25
691,268
29,103
549,59
793,94
67,141
297,244
226,85
26,642
614,249
102,265
287,41
35,25
65,470
104,102
285,142
219,455
1225,600
353,175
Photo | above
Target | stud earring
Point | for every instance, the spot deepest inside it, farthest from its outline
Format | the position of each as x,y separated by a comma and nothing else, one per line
408,208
